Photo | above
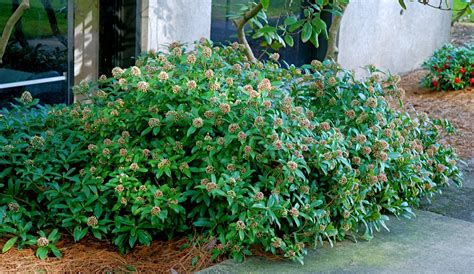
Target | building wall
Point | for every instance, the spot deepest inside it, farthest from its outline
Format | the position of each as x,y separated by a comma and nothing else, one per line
372,32
376,32
86,40
167,21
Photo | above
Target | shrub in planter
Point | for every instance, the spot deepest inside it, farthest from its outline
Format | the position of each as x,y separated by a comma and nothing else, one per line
450,68
246,154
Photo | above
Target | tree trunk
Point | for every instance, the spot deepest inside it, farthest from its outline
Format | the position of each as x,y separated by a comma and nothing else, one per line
240,25
53,23
333,50
7,31
19,34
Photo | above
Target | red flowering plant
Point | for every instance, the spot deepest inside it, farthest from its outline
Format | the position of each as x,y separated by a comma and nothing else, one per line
247,154
450,68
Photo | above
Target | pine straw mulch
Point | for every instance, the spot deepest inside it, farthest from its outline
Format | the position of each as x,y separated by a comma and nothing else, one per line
92,256
456,106
462,34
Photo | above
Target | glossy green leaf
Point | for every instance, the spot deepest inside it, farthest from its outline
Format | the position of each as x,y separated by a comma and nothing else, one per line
306,32
9,244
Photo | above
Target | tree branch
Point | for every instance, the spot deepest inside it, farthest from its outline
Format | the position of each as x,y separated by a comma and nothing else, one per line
333,50
240,25
7,31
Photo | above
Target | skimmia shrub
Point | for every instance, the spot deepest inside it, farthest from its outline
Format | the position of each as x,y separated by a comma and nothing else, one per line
450,68
246,154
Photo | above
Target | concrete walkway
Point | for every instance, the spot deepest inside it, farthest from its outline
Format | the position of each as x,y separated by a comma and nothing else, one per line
429,243
456,202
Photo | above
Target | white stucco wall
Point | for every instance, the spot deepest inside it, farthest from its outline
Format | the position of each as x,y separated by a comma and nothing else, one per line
374,32
167,21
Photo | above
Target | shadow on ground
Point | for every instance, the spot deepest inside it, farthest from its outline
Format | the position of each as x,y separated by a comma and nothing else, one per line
456,202
429,243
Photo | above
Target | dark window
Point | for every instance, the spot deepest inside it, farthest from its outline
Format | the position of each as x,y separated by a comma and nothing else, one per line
36,57
223,30
118,34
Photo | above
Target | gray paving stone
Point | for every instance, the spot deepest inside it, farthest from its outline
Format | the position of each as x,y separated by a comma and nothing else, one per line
429,243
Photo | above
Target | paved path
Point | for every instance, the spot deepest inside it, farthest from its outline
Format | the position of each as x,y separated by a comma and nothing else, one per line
429,243
456,202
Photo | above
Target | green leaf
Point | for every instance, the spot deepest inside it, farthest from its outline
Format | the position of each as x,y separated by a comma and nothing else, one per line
296,26
194,260
5,172
306,33
241,235
320,26
289,40
52,235
9,244
144,237
132,240
290,20
314,39
191,130
79,233
402,4
265,3
97,234
42,252
267,29
167,171
202,222
146,131
187,172
55,251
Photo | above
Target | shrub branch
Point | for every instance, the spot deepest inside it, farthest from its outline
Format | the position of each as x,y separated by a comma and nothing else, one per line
333,50
240,25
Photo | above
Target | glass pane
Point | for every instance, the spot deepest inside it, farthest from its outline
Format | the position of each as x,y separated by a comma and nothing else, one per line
37,49
118,32
223,30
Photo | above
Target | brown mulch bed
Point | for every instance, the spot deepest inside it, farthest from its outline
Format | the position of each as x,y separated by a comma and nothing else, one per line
456,106
462,34
92,256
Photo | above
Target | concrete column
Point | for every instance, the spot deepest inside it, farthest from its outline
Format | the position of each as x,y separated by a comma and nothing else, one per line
378,32
86,40
167,21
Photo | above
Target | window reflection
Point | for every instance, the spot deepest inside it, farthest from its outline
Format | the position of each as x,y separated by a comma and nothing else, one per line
223,30
36,50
